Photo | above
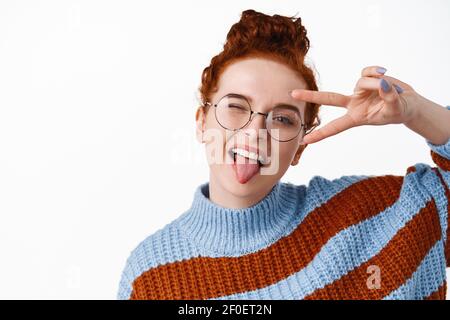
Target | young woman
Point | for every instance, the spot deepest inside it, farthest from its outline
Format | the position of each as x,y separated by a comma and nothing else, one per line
248,235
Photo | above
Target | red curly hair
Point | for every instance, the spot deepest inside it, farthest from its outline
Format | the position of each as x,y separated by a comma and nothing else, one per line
276,37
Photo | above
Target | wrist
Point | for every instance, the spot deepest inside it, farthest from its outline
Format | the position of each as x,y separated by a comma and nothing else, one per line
429,119
413,107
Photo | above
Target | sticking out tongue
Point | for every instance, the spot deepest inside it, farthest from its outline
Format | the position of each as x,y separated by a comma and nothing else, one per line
245,168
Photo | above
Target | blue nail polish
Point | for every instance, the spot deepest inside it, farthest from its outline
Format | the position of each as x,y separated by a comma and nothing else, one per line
398,88
381,70
385,86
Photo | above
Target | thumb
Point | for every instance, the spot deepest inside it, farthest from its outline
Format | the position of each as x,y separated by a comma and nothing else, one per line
389,93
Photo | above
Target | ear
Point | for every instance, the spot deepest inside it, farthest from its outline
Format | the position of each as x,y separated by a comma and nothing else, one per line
200,119
299,152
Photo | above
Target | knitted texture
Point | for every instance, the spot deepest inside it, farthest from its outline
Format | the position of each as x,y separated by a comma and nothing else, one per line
354,237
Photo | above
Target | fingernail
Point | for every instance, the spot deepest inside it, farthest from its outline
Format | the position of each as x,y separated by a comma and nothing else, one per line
385,86
398,88
381,70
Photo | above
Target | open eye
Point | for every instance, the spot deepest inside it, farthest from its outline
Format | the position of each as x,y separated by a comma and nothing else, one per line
283,120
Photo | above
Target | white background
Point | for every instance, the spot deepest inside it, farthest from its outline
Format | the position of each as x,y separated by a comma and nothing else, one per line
88,169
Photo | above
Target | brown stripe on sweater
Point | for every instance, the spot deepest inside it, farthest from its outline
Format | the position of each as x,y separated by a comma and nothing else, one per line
439,294
442,162
210,277
411,169
396,262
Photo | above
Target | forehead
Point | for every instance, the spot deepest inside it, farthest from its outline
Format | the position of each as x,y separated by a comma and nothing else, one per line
262,79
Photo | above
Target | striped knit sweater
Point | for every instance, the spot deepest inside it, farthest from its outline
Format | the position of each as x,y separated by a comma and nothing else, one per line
354,237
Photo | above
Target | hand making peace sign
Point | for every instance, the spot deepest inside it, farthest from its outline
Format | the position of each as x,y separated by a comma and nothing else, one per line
376,100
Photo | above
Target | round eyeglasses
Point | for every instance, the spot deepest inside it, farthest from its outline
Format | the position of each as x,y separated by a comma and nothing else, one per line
233,112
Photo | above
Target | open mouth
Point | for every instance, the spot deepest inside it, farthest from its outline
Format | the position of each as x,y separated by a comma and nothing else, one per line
249,155
247,162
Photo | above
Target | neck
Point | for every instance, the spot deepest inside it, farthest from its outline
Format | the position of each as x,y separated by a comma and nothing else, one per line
222,197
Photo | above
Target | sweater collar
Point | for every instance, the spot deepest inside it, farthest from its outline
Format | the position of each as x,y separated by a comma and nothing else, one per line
225,231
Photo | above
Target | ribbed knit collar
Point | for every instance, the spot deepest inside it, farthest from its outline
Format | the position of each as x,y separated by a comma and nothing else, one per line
225,231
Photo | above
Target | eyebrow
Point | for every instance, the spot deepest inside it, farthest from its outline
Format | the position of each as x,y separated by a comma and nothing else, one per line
278,105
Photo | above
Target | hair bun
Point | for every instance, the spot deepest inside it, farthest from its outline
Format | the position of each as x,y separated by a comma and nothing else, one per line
256,29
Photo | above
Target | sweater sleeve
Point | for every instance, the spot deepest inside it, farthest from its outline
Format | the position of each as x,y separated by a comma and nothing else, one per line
440,154
127,278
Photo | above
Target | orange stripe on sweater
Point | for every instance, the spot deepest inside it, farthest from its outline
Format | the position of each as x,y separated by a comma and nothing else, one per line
442,162
396,262
209,277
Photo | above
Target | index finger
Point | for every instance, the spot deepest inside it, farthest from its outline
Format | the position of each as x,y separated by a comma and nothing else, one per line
321,97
